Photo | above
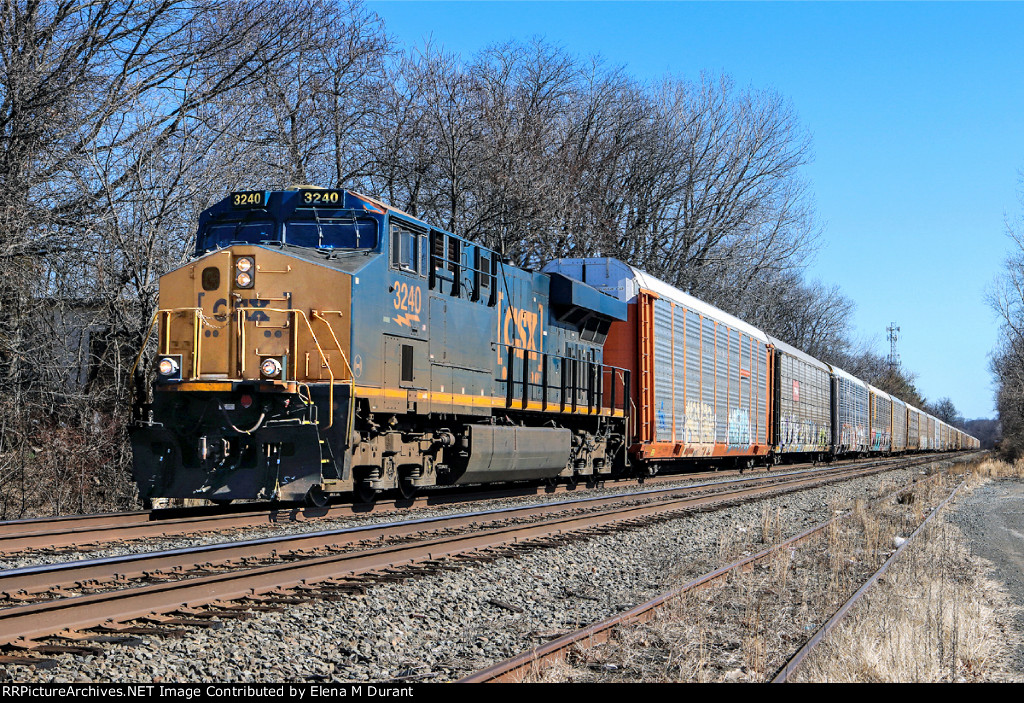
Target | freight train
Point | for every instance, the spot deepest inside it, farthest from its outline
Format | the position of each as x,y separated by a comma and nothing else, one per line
322,343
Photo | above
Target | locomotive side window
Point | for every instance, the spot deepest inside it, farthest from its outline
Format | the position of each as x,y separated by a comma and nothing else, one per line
406,247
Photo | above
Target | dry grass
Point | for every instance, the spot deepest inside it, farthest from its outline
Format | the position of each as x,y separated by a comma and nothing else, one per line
932,618
994,468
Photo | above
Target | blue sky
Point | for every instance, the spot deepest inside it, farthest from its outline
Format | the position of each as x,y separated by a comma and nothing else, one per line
916,112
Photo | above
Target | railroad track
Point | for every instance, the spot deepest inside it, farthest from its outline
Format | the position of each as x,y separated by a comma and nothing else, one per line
83,601
530,663
90,532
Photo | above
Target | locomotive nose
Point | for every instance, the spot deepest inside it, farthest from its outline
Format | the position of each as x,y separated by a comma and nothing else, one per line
248,313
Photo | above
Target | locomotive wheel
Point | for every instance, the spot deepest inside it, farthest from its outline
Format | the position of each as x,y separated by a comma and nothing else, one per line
572,481
406,489
365,493
315,497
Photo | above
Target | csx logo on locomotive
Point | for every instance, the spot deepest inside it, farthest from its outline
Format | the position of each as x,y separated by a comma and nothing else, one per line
518,328
221,307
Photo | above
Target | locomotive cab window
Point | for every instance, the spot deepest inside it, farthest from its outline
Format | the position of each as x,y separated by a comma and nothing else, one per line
332,234
406,246
221,234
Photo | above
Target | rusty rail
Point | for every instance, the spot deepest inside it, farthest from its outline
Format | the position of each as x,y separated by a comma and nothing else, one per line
786,671
21,625
516,668
71,531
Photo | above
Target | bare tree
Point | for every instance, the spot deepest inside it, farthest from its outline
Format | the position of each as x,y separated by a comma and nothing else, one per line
312,106
945,410
1007,299
95,99
811,316
722,199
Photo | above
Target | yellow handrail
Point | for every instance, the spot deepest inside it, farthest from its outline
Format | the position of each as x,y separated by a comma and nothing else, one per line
167,313
197,346
351,374
323,356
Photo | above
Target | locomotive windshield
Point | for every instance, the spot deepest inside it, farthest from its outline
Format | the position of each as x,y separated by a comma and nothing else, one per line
332,234
314,234
224,234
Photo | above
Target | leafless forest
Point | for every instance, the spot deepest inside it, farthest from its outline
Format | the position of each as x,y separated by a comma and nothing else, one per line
121,121
1007,299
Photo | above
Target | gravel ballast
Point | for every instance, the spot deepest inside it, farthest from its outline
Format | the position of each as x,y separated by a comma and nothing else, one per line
447,625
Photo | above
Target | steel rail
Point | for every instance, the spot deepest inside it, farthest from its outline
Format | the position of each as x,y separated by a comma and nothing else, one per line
53,525
19,625
50,533
21,582
516,668
790,667
70,531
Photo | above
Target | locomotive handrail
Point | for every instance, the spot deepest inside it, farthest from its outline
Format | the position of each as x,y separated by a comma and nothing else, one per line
573,380
196,337
351,374
323,357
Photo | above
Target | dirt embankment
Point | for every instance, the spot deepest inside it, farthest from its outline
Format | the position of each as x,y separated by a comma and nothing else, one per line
992,520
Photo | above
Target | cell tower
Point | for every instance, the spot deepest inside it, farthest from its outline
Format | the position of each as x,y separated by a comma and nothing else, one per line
894,357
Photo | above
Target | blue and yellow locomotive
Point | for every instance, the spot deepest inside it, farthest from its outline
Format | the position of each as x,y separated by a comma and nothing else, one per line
323,343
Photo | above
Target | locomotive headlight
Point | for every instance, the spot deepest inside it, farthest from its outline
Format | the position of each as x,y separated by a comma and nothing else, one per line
244,266
271,368
169,368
